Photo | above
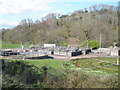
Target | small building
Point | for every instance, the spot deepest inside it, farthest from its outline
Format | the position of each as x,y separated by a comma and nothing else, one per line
112,51
115,52
86,51
76,53
8,53
104,51
49,45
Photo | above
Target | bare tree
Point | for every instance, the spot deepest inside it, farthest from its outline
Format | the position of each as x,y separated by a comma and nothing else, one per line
87,35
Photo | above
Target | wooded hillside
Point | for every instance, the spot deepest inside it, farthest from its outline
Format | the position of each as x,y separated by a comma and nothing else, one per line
68,29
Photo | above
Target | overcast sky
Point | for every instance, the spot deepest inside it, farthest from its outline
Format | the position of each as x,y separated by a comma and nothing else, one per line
13,11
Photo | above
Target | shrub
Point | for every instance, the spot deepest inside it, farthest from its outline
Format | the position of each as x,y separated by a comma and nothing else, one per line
65,44
92,44
32,76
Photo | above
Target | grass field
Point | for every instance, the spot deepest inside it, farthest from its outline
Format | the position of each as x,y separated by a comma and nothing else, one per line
90,65
79,64
56,64
10,45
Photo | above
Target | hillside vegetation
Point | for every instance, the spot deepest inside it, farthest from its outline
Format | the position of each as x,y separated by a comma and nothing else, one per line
75,28
19,74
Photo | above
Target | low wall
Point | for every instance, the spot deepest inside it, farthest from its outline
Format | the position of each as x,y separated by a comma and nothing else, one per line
70,54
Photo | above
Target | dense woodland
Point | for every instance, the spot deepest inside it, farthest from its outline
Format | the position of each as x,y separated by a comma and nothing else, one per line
76,28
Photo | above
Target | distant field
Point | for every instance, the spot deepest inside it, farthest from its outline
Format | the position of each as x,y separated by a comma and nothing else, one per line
10,45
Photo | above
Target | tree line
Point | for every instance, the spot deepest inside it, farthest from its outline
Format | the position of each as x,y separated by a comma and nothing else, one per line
68,29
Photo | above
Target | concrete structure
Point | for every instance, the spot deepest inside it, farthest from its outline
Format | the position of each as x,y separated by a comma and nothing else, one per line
115,52
34,46
8,53
48,49
86,51
104,51
76,53
112,51
49,45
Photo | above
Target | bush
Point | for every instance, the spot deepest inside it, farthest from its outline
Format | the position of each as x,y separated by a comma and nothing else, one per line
20,74
33,77
65,44
92,44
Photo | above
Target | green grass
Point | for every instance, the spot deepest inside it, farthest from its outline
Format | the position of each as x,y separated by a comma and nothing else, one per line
88,64
56,64
108,59
10,45
108,69
78,64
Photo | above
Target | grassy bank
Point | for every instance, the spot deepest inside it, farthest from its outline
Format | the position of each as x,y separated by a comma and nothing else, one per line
56,64
18,74
102,65
87,65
